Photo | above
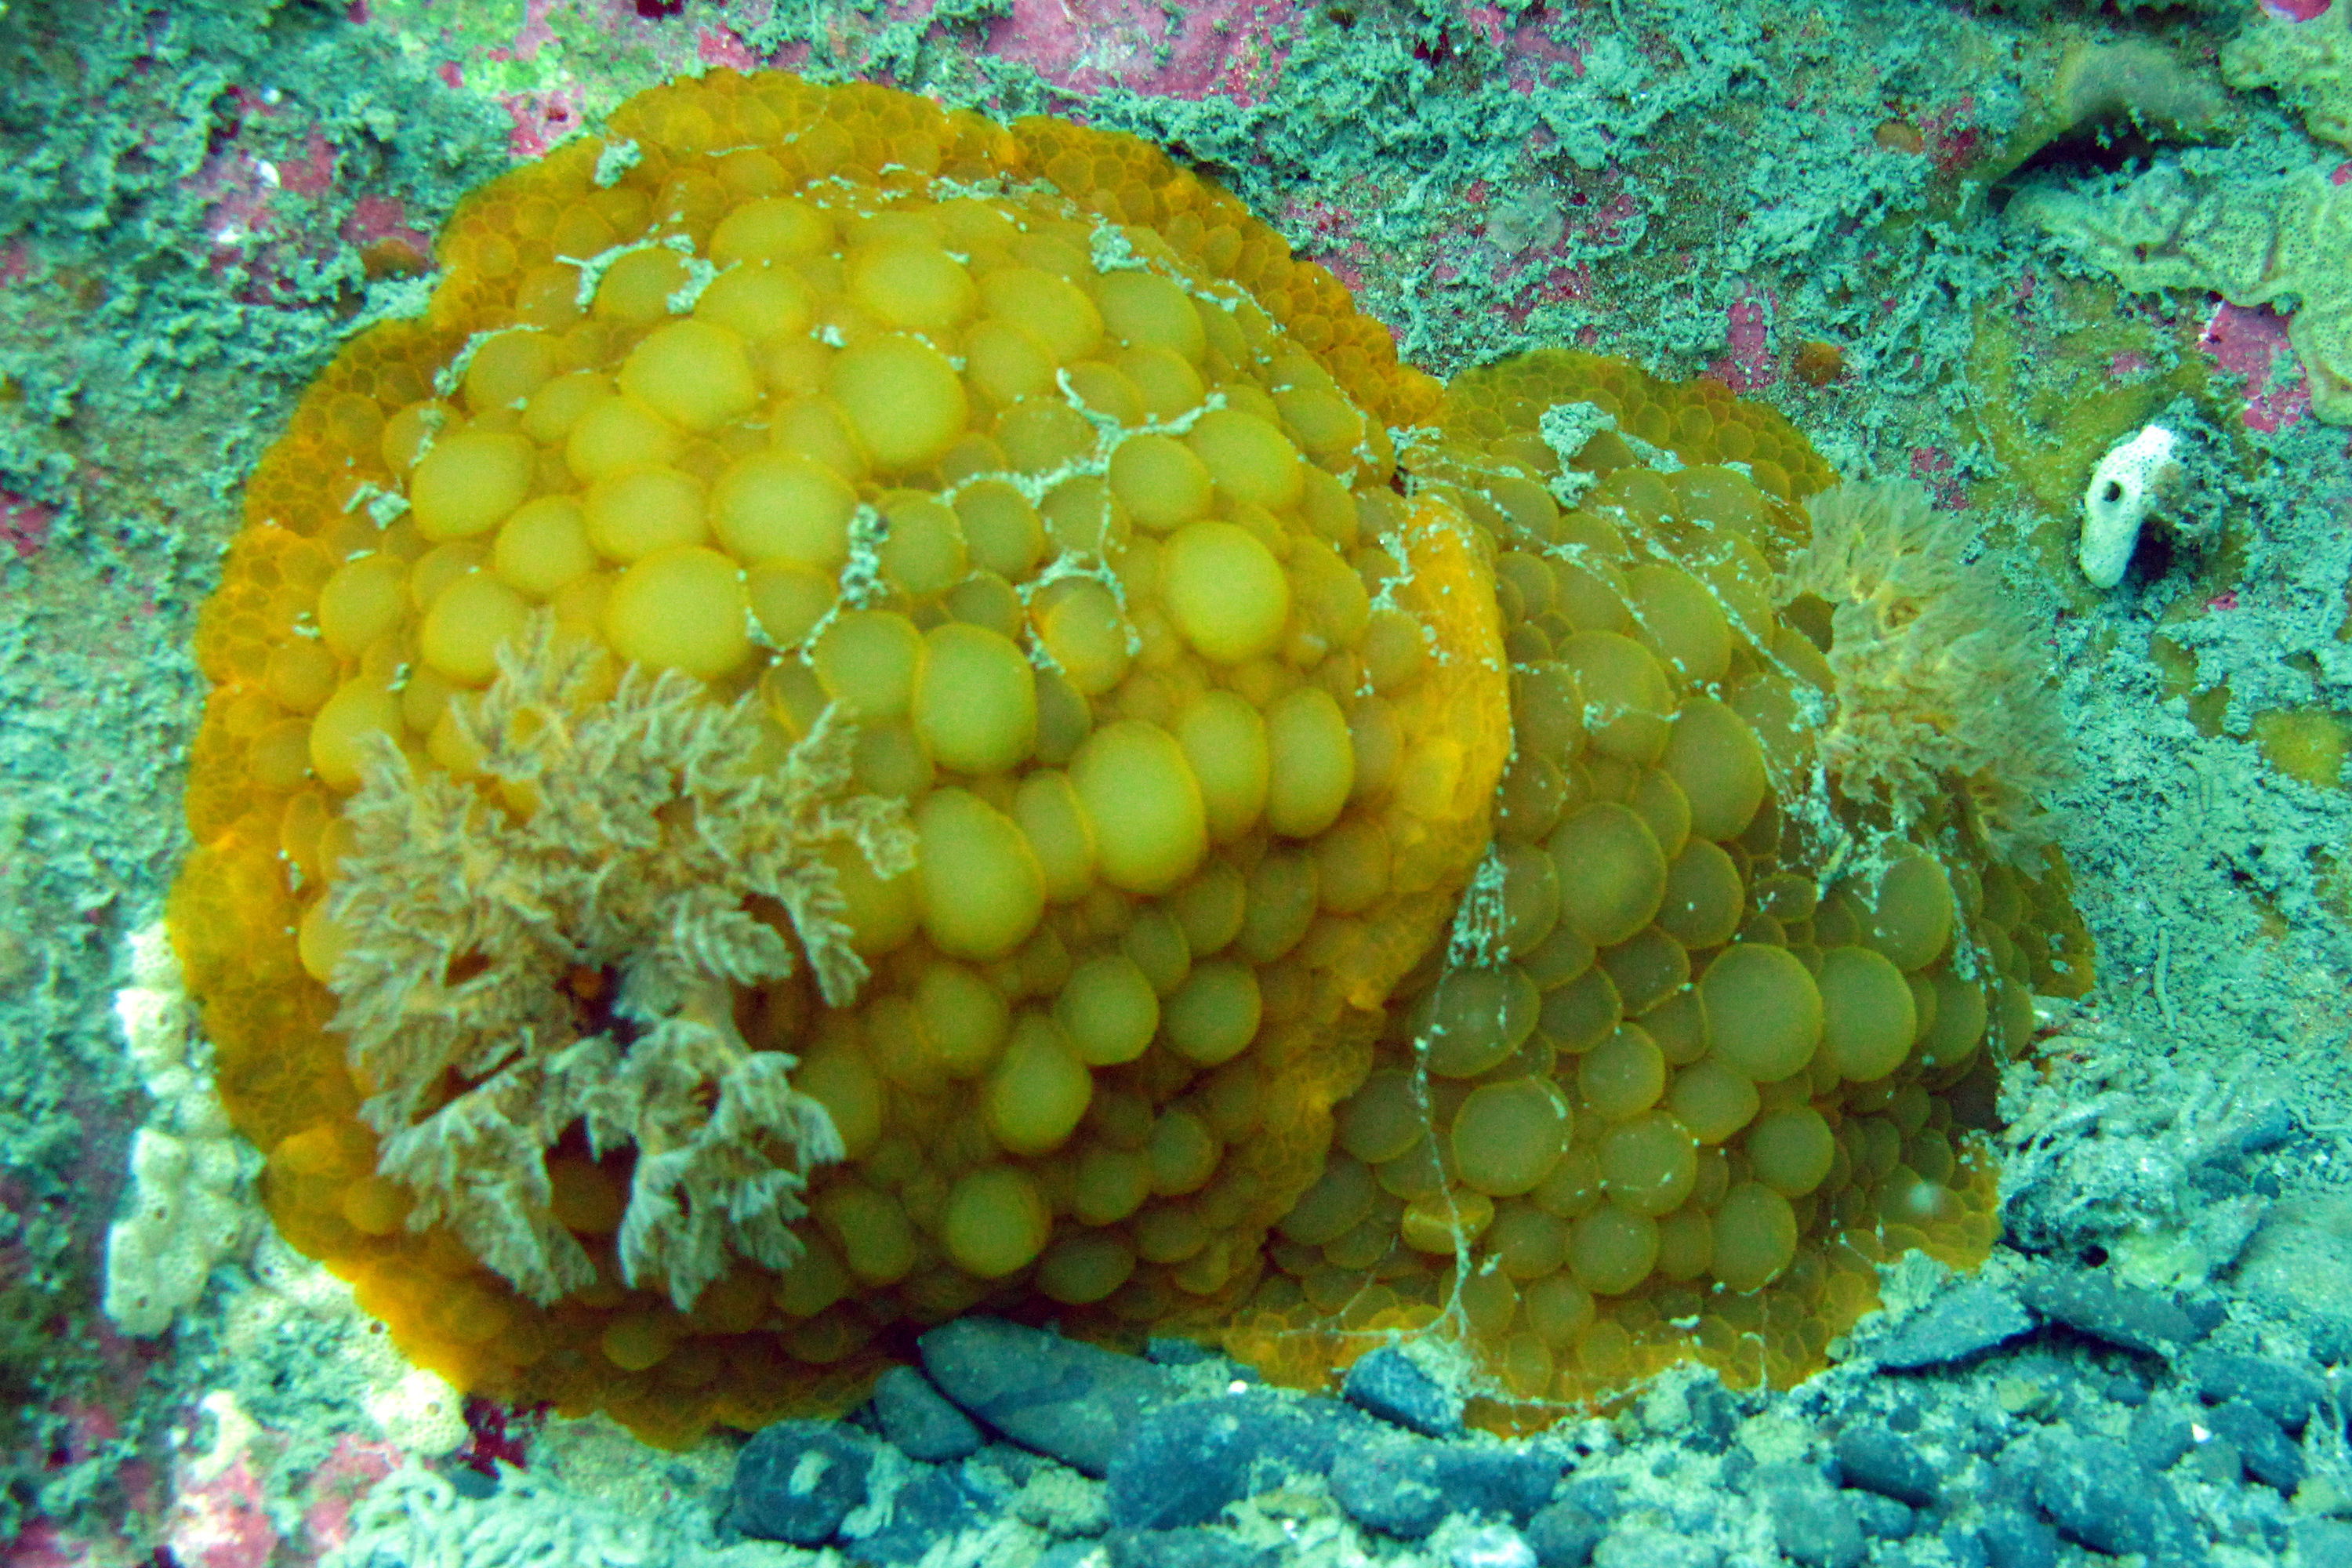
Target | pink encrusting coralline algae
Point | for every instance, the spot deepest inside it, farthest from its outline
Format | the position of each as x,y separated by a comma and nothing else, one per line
24,524
2251,342
1225,48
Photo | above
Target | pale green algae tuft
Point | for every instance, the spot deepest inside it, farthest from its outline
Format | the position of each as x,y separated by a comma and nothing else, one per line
2310,64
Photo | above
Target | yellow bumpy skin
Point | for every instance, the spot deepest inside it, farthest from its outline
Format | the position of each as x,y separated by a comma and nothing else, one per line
864,721
852,726
1768,896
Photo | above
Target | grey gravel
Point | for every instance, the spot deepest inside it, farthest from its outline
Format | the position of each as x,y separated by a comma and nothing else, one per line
2270,1456
2284,1393
1504,1479
1183,1463
1883,1516
797,1481
1387,1384
2158,1434
2322,1543
1816,1526
2011,1538
1390,1485
1966,1320
1075,1402
1563,1535
923,1421
2122,1315
1877,1461
2100,1495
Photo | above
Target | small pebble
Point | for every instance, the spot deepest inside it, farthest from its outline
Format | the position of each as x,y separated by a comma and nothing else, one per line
2267,1129
1958,1324
2015,1539
2219,1183
1714,1416
1003,1467
2128,1392
1563,1536
1815,1526
1883,1516
797,1481
1596,1495
2122,1315
1877,1461
1076,1401
1391,1486
1185,1462
1387,1383
2158,1434
922,1421
2286,1393
2101,1497
2270,1456
1512,1481
469,1482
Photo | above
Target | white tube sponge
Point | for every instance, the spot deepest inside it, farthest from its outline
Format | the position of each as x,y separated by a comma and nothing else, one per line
2130,483
189,1202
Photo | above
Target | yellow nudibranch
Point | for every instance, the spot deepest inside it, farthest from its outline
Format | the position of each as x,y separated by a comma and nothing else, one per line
877,714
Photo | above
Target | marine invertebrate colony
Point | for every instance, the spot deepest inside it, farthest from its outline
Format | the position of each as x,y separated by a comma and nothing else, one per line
2130,483
877,712
2309,61
2252,242
646,850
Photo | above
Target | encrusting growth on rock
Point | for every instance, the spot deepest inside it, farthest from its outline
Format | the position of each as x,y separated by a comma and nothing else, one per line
1931,679
2253,242
2309,61
569,953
